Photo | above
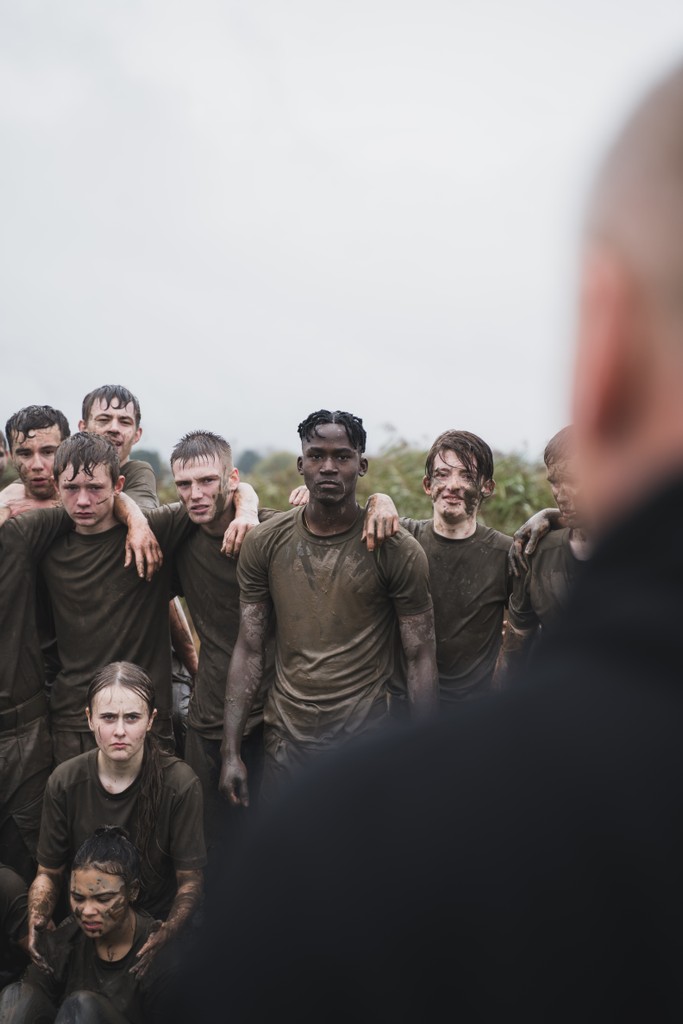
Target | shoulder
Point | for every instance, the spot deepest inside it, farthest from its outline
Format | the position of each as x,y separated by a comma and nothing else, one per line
417,527
493,538
136,467
178,775
554,540
276,525
73,771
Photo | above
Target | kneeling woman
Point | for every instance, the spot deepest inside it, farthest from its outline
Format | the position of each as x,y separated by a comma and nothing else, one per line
127,781
93,950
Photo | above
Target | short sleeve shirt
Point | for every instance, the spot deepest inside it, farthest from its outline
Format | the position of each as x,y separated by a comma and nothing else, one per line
336,607
541,593
76,803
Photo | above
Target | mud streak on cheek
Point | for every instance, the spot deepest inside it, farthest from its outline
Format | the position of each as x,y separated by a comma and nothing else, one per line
115,910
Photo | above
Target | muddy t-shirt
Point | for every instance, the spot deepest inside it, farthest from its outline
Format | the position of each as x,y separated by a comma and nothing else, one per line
23,541
106,613
541,593
336,606
77,968
470,589
76,803
208,582
141,484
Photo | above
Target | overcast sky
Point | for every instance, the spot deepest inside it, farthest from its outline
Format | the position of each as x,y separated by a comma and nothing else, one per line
246,211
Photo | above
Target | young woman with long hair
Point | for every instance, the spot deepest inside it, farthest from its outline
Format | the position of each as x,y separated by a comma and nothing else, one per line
127,781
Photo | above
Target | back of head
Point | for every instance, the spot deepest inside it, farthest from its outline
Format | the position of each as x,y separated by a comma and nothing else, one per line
84,451
560,447
35,417
353,426
114,395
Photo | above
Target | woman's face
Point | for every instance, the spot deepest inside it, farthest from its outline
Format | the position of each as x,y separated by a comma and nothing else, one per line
99,900
120,720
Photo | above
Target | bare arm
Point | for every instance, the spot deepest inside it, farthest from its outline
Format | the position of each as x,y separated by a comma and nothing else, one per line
422,676
181,637
244,679
246,518
42,900
525,539
187,898
141,544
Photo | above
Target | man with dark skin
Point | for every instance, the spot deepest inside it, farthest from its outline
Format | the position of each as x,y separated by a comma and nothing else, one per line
521,861
336,609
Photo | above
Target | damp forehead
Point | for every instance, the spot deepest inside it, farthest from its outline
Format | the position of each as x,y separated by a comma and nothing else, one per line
116,698
92,881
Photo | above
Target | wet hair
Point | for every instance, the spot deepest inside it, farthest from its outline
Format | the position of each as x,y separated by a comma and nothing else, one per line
110,849
353,426
86,451
35,417
560,446
107,394
201,444
475,454
132,677
3,442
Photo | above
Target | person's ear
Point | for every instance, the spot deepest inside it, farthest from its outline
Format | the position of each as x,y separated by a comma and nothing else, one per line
133,891
81,425
427,485
137,436
119,485
487,488
233,480
88,715
300,466
363,466
151,719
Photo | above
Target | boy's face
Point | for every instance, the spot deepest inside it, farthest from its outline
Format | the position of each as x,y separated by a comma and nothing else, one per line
89,500
116,423
33,455
99,901
563,478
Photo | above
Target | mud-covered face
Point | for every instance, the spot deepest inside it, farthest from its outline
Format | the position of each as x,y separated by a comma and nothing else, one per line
89,498
33,455
120,720
456,495
116,423
99,901
205,487
563,477
330,465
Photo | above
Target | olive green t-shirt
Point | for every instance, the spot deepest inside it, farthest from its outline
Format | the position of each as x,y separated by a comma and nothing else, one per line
207,579
541,593
76,803
336,607
106,613
23,540
141,484
470,589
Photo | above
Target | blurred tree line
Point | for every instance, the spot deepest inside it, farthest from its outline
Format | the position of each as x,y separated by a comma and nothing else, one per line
521,486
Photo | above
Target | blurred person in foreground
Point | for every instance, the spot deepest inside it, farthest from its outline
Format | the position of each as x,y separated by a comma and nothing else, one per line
523,861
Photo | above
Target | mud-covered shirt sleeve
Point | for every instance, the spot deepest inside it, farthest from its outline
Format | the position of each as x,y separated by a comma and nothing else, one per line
403,564
36,530
141,484
252,569
53,840
171,525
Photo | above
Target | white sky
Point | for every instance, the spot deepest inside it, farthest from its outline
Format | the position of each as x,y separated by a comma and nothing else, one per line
246,211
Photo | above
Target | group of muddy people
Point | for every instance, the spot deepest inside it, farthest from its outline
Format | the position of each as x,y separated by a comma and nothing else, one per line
408,770
131,755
